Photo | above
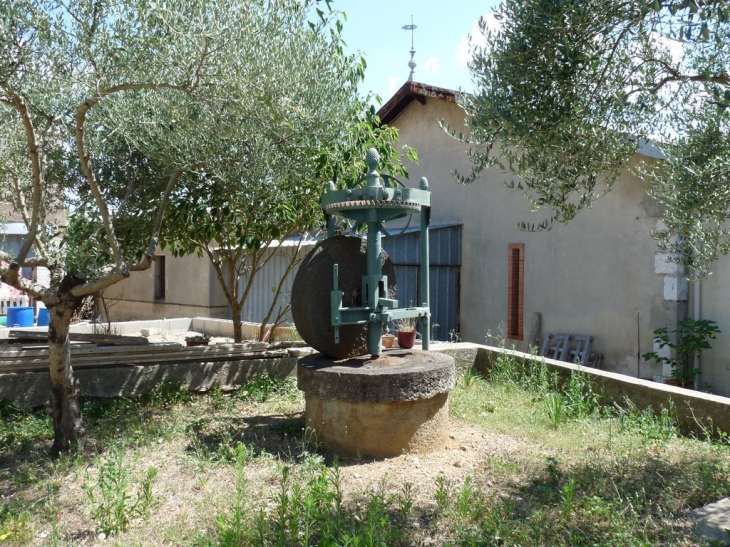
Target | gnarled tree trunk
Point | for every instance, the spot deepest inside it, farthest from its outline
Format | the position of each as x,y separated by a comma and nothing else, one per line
237,322
67,424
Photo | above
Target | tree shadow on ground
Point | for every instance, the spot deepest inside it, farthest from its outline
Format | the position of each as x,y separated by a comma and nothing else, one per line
279,435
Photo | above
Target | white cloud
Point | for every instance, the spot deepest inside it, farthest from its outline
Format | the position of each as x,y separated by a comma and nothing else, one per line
465,48
431,66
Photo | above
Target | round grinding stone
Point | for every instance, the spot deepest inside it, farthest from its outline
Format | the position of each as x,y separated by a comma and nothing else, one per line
310,296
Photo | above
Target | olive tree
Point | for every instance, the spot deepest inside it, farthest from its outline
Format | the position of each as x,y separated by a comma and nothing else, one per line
109,106
237,216
567,91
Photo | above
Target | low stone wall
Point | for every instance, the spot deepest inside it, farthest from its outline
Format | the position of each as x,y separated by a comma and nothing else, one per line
32,389
691,406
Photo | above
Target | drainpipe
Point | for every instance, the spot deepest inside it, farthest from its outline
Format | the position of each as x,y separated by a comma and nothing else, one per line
697,313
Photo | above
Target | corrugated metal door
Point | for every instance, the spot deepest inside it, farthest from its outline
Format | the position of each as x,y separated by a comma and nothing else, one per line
263,290
445,251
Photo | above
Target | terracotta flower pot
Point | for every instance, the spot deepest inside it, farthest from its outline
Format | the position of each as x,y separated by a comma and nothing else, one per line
406,338
388,340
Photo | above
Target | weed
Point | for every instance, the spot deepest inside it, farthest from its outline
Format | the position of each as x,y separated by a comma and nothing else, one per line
529,374
443,494
468,502
51,511
218,397
20,429
650,426
217,443
405,499
567,495
13,523
263,387
112,505
470,378
233,528
312,513
556,408
167,394
582,401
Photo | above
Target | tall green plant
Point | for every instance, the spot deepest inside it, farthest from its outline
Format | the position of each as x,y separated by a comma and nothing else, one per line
691,336
112,503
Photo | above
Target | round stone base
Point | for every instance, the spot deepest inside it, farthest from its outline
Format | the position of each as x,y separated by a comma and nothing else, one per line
382,407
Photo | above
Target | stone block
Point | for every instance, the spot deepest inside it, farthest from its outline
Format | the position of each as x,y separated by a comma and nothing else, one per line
713,521
676,288
381,407
663,265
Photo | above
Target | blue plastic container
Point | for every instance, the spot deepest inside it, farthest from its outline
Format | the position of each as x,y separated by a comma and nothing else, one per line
22,316
44,317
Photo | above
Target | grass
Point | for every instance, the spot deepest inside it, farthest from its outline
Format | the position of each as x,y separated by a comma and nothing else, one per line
226,469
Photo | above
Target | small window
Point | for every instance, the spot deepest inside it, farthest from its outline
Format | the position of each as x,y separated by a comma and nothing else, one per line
160,277
515,291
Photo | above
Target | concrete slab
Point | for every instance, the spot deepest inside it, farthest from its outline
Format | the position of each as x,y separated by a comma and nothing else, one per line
31,389
713,521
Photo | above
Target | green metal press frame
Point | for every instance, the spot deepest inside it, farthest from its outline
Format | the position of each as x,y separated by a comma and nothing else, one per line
383,198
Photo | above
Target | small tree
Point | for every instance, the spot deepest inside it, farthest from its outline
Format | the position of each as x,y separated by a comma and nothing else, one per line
112,106
235,216
567,92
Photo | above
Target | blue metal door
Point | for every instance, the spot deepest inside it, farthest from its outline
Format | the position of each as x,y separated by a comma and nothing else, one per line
445,270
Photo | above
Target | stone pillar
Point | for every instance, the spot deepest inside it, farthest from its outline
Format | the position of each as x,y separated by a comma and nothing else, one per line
676,300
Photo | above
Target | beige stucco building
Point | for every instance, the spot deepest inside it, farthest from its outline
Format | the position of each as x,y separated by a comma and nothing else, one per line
599,275
173,287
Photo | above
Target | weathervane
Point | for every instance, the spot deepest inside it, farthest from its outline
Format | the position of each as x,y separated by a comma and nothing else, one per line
411,63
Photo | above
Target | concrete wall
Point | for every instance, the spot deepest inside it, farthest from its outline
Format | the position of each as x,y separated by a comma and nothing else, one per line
693,410
191,289
32,389
595,275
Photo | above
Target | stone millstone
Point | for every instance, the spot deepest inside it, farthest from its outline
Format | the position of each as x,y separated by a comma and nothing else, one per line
398,375
313,284
378,408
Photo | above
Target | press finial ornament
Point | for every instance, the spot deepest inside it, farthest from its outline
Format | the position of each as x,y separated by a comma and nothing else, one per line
411,63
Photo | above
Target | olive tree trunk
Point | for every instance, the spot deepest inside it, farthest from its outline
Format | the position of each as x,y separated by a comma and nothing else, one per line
68,429
237,322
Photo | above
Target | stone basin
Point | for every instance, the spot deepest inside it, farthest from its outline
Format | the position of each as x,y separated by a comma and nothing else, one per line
383,407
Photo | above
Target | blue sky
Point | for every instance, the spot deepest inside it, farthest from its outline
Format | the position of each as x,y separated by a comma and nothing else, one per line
374,27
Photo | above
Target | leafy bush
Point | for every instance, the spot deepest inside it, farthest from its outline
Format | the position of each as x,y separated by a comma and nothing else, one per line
691,336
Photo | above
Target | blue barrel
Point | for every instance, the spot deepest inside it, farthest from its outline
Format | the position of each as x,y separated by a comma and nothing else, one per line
44,317
22,316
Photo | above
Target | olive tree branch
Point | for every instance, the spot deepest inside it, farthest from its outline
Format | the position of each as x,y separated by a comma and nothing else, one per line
120,270
31,218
